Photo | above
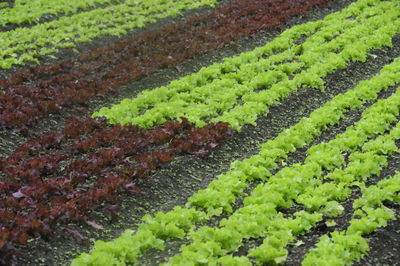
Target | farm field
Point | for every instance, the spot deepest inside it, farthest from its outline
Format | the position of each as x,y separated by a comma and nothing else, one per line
247,132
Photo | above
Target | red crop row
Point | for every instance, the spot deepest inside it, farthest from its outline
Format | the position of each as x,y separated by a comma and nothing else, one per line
38,91
62,176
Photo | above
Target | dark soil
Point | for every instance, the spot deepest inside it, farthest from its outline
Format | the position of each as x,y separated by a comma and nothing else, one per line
172,185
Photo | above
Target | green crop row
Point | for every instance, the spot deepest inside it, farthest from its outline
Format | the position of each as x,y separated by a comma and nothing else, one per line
26,44
301,183
221,193
324,197
31,11
4,5
341,248
241,88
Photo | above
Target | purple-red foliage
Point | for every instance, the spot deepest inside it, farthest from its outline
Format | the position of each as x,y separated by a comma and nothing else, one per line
62,176
38,91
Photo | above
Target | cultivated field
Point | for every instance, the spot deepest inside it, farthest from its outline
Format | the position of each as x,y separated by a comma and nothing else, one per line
181,132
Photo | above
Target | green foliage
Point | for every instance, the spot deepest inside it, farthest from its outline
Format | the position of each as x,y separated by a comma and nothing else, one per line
241,88
299,183
32,11
173,224
26,44
228,260
340,249
271,251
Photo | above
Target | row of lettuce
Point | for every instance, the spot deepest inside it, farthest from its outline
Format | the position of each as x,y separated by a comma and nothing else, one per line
31,12
36,92
300,183
260,78
63,176
41,175
241,88
26,44
319,185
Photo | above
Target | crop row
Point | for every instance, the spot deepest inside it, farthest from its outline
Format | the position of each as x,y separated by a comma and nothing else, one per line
4,5
318,196
26,44
62,176
241,88
30,12
346,246
38,177
211,244
300,183
65,175
36,92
